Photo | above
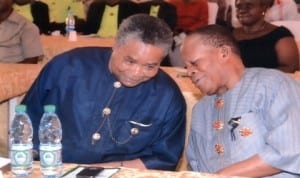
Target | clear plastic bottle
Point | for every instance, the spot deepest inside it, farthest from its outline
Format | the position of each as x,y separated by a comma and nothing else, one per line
70,22
20,138
50,135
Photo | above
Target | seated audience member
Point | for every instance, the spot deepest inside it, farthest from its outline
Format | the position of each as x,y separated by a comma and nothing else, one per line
163,10
105,16
41,18
248,123
50,15
222,11
191,14
20,38
263,44
279,10
160,9
87,4
77,7
56,12
282,10
117,107
34,11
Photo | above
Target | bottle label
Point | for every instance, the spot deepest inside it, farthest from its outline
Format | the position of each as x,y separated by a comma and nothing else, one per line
21,155
50,155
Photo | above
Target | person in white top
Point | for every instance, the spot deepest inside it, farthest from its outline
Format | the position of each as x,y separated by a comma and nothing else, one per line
282,10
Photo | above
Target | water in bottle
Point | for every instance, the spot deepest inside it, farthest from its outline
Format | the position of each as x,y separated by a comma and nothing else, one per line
50,135
70,22
21,143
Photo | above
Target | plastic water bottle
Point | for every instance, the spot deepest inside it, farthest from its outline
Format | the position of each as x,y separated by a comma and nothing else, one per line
21,143
70,22
50,135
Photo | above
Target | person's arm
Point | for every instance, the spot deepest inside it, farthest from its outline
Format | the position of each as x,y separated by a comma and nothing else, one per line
282,149
40,14
252,167
31,44
93,18
166,149
288,54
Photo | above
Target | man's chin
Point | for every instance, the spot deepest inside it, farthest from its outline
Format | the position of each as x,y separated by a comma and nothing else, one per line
130,84
206,92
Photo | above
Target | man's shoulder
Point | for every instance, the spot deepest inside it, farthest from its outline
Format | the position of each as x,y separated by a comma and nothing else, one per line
79,62
268,78
18,19
263,73
84,51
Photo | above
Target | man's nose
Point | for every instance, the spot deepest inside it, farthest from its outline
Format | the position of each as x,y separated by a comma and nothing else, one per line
191,71
138,71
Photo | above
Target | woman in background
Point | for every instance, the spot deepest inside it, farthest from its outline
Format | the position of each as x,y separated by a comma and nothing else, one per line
263,44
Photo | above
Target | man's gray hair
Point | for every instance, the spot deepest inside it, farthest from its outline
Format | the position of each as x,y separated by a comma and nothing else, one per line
147,29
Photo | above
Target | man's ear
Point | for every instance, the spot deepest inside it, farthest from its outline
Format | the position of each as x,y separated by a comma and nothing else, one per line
225,51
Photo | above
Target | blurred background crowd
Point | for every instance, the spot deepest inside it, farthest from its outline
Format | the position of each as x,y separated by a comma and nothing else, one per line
102,18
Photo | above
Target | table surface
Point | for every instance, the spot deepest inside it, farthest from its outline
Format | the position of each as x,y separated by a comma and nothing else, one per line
133,173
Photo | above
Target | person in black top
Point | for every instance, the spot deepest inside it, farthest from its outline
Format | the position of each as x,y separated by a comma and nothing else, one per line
160,9
96,12
263,44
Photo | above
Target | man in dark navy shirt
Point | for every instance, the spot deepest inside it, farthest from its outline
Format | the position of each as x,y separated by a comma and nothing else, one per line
117,107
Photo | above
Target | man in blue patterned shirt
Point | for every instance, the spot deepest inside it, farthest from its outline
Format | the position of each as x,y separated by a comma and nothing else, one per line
248,124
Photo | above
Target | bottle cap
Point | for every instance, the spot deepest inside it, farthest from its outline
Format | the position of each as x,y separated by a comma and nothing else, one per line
20,108
49,108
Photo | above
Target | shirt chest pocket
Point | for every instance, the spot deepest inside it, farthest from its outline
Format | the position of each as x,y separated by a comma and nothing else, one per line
248,136
135,131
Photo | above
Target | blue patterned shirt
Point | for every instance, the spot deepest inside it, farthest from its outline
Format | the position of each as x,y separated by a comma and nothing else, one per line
266,106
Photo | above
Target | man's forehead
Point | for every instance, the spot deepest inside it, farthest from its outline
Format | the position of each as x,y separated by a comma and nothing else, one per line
193,41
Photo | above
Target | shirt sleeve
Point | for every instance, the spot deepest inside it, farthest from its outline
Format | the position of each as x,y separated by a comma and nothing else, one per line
282,148
31,42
